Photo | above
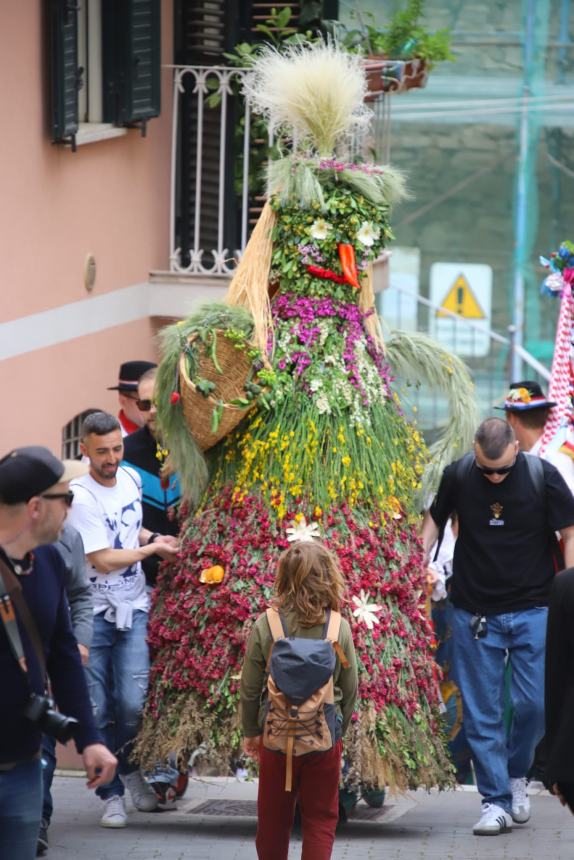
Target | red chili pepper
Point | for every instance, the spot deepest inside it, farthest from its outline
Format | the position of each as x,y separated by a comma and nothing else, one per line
349,264
327,274
174,397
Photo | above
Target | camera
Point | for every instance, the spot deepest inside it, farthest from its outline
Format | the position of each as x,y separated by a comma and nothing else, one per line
478,626
40,711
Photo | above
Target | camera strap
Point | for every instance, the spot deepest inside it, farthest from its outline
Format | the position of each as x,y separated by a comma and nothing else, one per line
11,596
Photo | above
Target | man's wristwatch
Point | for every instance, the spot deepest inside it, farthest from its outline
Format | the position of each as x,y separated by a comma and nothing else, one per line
153,537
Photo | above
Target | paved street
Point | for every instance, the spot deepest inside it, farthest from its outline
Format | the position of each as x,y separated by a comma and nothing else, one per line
417,827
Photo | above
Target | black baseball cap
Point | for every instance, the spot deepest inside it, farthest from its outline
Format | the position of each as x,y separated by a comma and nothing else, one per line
130,374
30,471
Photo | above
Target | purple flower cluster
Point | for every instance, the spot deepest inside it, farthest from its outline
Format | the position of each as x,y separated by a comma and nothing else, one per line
339,166
301,360
308,311
310,254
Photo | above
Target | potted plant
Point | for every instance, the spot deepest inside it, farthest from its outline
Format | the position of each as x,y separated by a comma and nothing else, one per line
399,55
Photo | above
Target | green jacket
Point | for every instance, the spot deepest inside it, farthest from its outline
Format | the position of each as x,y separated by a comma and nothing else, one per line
254,675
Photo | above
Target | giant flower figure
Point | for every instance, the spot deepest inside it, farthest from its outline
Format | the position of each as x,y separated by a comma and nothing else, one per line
323,448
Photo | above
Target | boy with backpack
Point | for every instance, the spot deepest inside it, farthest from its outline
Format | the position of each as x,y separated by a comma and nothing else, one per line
298,691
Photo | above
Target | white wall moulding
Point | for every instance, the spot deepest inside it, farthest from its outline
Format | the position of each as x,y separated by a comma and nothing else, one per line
98,313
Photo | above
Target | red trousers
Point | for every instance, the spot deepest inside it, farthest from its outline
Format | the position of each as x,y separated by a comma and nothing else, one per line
315,787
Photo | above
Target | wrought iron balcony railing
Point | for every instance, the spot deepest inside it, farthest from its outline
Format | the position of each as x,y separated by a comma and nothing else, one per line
219,152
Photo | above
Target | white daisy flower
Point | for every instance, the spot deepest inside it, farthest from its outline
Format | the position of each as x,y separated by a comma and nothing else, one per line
367,234
303,532
320,229
365,611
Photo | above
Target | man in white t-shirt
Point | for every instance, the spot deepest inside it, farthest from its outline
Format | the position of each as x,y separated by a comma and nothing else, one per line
526,410
107,512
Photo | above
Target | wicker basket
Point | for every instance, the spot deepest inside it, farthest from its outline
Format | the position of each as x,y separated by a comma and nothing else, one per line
198,410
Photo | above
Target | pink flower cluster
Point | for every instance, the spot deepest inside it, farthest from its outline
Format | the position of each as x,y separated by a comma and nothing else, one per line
339,166
350,321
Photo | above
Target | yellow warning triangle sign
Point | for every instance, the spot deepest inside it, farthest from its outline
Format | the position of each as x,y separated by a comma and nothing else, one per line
461,300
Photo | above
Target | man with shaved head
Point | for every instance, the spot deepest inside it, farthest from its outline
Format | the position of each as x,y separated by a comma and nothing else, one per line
510,505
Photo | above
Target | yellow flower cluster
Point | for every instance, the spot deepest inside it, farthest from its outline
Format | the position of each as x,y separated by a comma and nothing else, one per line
288,466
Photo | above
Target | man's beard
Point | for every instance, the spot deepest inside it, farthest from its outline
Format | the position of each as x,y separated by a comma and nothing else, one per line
106,472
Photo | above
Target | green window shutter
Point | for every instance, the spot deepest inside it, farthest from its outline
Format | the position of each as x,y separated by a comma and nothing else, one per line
65,75
131,52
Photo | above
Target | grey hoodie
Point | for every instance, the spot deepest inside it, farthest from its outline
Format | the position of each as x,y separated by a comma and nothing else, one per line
78,589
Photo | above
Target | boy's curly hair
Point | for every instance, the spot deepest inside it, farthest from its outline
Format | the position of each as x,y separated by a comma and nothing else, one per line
309,580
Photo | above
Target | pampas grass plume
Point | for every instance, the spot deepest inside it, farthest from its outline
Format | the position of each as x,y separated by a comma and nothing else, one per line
313,94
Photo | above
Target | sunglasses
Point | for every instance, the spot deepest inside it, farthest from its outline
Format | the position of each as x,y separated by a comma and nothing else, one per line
501,470
144,405
67,497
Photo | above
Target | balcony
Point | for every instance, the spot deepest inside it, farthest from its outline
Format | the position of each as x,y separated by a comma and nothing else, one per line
219,153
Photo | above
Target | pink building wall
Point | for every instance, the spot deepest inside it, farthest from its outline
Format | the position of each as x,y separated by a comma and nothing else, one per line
109,199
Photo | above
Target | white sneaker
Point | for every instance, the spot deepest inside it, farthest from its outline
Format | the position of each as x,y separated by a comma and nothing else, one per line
143,796
494,820
114,812
520,800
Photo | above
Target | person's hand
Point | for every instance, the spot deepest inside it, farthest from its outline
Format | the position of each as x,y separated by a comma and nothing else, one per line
251,747
100,764
84,653
167,551
170,540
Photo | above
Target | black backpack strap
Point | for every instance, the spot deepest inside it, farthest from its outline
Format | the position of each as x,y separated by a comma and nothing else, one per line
464,466
535,468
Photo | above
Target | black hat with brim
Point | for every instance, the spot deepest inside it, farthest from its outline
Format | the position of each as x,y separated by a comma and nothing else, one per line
130,374
524,397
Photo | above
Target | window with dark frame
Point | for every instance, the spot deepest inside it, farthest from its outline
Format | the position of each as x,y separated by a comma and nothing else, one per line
72,435
104,64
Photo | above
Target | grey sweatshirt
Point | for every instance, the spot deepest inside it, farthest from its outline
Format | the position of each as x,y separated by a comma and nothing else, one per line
78,588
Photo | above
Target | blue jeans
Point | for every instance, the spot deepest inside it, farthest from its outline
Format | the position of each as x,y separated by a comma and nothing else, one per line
117,674
20,810
479,666
48,768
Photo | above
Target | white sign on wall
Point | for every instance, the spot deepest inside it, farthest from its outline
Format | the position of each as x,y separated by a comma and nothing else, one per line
398,303
464,289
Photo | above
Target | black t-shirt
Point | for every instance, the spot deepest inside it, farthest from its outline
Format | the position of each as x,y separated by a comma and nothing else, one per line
506,551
